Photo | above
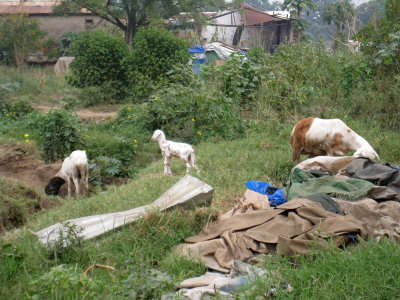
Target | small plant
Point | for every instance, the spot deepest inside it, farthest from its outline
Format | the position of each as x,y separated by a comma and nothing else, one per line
59,134
67,245
65,42
149,284
102,169
64,282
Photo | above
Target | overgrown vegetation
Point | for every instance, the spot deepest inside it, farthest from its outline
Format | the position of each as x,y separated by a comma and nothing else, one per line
238,116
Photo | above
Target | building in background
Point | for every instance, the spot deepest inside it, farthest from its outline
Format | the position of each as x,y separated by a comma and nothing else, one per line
54,25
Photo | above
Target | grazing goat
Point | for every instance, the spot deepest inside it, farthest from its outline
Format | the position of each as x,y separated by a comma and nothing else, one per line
314,136
171,149
73,168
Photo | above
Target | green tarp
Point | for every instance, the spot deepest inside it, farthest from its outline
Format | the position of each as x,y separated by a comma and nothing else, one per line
303,183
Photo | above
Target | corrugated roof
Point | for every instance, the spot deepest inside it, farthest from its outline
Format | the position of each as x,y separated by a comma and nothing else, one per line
25,9
34,8
253,16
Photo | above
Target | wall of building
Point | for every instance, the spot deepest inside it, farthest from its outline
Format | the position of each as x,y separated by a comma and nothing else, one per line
56,26
220,33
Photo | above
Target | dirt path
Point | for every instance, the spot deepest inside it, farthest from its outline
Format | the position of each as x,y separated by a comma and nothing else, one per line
88,115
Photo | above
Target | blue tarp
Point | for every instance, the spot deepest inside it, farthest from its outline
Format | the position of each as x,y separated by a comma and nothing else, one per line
197,49
275,195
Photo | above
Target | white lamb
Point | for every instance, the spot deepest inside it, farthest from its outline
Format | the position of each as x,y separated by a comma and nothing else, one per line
314,137
73,168
171,149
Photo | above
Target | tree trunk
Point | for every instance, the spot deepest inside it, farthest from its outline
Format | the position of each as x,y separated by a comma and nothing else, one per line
130,32
18,59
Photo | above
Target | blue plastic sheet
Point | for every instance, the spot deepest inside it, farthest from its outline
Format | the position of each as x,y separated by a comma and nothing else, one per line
275,195
197,49
197,63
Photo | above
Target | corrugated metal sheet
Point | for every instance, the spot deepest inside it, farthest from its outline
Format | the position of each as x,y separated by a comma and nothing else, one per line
25,9
30,8
252,16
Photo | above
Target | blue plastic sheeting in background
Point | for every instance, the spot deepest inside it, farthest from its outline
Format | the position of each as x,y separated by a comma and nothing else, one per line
197,49
197,63
275,195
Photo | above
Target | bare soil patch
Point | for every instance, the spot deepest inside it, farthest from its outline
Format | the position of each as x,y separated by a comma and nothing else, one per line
16,164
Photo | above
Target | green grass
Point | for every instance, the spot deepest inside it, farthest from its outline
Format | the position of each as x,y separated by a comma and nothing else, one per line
141,253
364,271
141,248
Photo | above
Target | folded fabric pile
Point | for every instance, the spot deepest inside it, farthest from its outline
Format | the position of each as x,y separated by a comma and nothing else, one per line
306,225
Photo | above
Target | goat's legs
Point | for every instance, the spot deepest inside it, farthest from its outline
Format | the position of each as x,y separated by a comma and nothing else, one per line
167,165
69,186
77,186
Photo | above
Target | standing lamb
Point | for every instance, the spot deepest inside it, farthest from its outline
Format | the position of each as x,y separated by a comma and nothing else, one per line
171,149
314,137
73,168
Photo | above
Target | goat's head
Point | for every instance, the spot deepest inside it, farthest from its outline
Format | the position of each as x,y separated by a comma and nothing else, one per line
366,152
54,185
157,135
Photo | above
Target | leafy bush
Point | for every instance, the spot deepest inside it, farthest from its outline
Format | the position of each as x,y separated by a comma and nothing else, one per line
112,154
187,113
65,42
241,77
59,134
14,111
381,40
102,169
155,52
97,62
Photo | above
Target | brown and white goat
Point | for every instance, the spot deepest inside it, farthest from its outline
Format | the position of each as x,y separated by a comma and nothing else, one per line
314,137
74,168
171,149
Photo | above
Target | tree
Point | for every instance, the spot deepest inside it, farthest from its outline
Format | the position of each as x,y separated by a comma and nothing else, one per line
298,6
22,35
341,14
130,15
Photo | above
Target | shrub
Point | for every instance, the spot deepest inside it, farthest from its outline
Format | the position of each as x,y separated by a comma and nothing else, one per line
113,154
59,134
187,113
65,42
17,110
97,62
155,52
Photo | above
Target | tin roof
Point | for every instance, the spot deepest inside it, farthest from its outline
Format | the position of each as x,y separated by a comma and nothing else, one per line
30,7
25,9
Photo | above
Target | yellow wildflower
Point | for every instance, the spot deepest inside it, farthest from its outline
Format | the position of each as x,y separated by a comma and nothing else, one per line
135,141
129,117
155,99
193,120
198,132
6,115
84,151
27,141
26,135
128,108
182,91
47,112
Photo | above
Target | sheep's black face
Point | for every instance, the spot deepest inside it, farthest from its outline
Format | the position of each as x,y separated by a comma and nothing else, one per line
54,185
